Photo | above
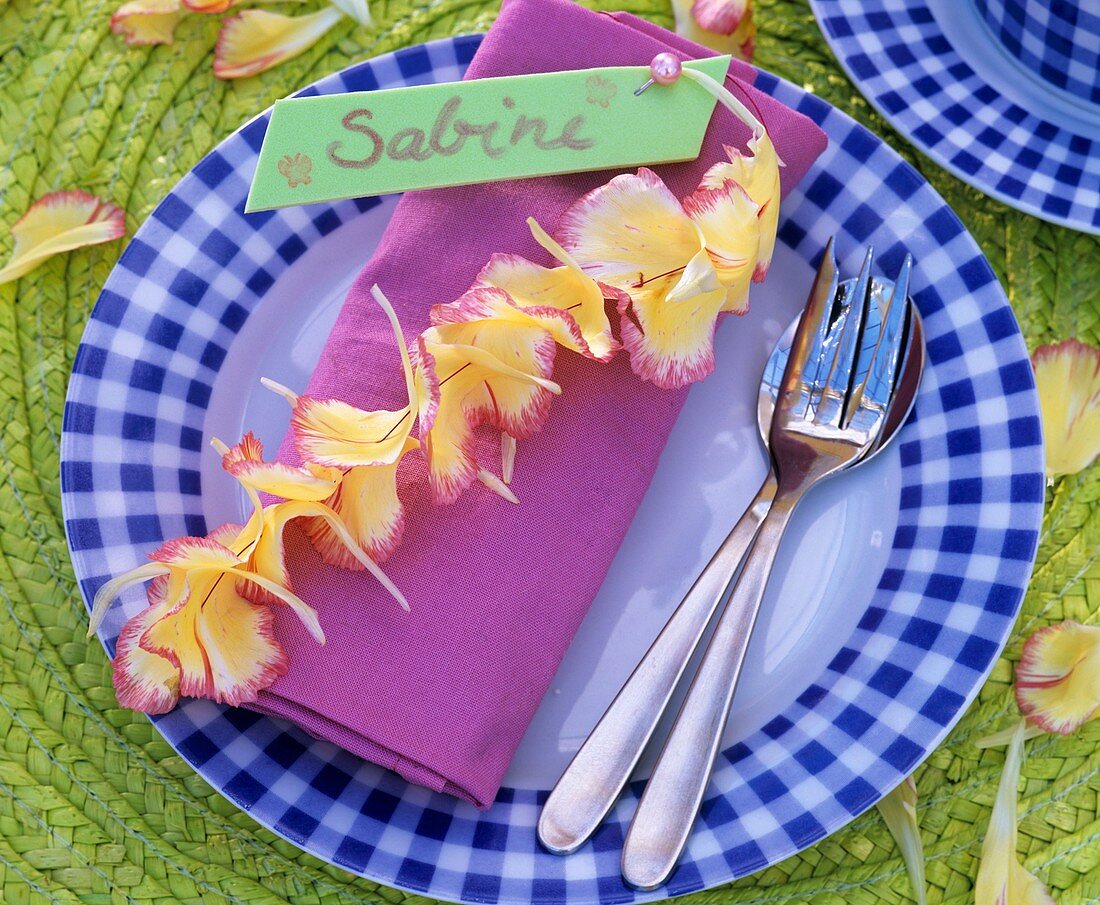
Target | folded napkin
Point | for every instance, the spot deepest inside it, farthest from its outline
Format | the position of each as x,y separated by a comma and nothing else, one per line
444,694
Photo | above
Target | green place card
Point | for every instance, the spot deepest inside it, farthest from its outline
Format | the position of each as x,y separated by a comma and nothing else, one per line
482,130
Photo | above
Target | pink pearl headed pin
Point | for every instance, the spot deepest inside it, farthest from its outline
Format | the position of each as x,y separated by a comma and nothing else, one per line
665,69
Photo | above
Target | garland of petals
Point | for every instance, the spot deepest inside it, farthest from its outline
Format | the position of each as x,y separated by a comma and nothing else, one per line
667,268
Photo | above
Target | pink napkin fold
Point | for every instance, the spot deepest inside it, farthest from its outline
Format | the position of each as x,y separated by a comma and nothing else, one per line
444,694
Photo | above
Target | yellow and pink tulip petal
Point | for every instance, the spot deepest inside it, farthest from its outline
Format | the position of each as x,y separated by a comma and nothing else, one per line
147,21
370,509
1058,676
633,234
267,579
462,383
145,682
333,433
727,218
570,304
758,174
671,344
255,40
58,222
223,645
1067,375
630,231
246,463
1002,880
504,371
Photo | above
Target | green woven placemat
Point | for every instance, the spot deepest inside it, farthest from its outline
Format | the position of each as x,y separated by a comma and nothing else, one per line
94,806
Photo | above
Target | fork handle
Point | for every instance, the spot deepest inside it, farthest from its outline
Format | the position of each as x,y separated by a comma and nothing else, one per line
594,778
672,796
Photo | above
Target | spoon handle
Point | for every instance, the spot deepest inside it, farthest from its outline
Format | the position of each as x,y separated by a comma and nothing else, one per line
672,796
593,780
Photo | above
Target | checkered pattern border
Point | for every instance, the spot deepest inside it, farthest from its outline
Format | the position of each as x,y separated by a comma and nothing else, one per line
1058,39
899,58
969,513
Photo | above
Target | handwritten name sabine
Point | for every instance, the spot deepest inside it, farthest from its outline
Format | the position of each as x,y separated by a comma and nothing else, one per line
448,136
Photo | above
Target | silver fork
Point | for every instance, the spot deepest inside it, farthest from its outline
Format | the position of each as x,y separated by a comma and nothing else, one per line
826,417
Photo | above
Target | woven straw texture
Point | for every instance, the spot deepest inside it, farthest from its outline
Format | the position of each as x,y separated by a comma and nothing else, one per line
94,807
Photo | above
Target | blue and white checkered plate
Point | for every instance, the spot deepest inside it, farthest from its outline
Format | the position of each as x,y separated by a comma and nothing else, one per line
910,573
994,106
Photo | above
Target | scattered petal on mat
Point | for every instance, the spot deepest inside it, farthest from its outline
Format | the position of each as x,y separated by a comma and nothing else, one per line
725,26
209,6
1004,736
255,40
60,221
1058,676
1002,880
899,812
680,266
146,21
1068,378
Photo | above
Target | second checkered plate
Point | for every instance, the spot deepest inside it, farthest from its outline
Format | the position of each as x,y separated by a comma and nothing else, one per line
865,656
980,101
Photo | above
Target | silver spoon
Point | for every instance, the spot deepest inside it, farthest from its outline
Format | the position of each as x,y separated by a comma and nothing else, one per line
592,782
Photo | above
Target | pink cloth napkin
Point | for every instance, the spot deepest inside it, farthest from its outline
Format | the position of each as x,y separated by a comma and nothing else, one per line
444,694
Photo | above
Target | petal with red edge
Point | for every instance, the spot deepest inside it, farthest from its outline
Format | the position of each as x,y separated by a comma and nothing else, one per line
1058,676
368,505
245,462
758,174
255,40
629,231
500,374
1068,379
57,222
174,636
671,344
727,218
200,553
446,435
146,21
565,302
144,681
334,433
238,641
